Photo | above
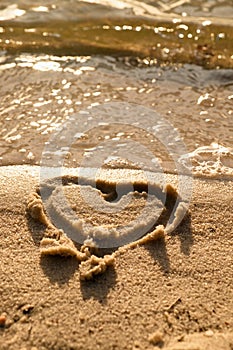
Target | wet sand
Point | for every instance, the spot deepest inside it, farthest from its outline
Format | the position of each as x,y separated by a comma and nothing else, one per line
174,293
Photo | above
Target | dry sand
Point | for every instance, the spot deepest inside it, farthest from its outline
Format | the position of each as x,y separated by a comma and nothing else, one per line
173,294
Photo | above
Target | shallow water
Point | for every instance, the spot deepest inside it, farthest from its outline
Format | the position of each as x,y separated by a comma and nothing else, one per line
56,60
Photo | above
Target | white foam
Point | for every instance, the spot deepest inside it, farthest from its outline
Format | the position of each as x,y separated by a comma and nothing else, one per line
138,7
211,161
11,12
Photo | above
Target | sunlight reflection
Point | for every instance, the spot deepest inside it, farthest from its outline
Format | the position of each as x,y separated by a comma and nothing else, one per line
40,9
11,12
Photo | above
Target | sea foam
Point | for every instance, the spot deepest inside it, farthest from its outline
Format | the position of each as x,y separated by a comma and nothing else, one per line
212,161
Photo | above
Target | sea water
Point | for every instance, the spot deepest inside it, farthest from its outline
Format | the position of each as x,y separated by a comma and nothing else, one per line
174,58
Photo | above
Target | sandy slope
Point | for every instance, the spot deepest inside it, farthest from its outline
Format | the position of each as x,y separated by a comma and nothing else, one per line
175,294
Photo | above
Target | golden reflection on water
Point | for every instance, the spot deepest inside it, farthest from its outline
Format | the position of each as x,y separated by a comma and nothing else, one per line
205,41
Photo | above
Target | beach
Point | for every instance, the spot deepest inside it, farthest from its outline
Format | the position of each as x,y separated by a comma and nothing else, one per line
116,175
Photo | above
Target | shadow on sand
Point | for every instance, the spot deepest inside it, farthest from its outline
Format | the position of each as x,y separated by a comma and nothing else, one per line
158,249
99,287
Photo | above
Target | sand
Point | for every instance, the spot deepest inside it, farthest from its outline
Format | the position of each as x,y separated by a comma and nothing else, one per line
173,293
97,219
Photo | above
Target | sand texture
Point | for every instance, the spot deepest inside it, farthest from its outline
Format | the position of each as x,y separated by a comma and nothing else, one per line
173,293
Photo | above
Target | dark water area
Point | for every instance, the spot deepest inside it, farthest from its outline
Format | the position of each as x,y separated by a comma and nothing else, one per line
169,32
174,57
